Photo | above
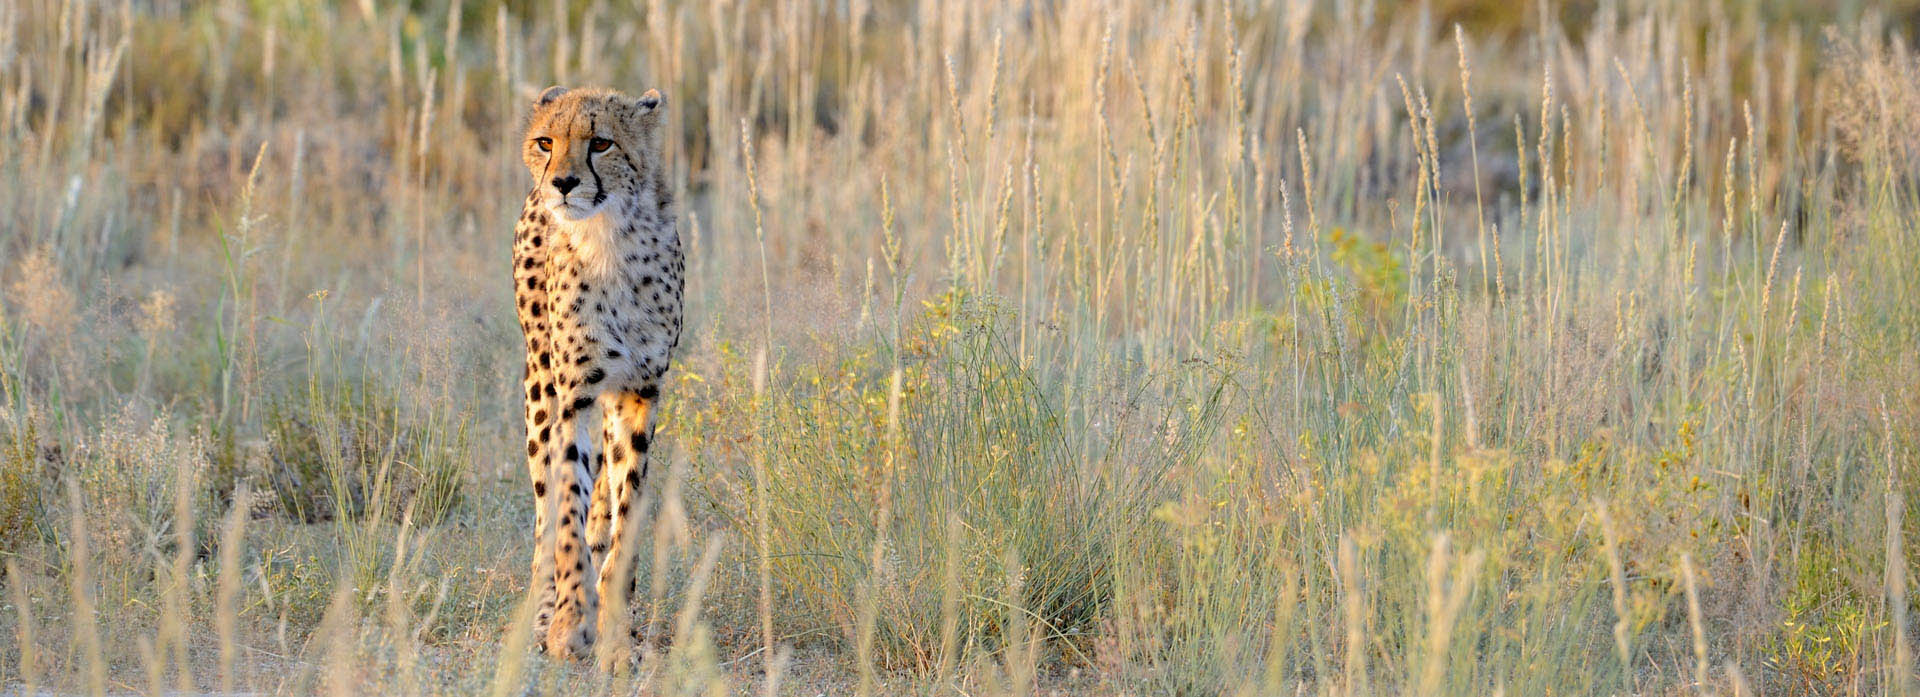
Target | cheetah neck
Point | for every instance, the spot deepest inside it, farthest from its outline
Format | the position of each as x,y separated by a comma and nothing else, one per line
595,242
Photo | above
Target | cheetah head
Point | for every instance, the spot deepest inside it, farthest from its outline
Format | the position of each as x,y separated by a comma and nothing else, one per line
588,147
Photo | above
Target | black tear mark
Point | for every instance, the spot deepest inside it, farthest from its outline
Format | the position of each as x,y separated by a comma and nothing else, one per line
599,189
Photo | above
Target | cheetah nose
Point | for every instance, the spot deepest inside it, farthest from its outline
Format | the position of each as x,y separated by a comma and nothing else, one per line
565,184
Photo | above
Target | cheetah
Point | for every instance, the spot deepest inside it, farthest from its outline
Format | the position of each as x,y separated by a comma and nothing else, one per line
597,273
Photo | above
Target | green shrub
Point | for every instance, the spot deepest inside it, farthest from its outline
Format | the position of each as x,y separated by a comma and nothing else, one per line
23,485
990,474
348,452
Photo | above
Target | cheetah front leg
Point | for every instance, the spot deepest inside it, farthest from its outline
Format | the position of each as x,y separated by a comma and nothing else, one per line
539,415
574,578
629,435
530,296
599,517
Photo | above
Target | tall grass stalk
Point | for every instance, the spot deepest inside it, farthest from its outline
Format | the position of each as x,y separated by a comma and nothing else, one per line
1617,577
1695,623
24,629
225,612
86,628
1896,568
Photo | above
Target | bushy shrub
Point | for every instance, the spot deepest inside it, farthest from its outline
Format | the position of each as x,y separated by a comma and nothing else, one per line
349,451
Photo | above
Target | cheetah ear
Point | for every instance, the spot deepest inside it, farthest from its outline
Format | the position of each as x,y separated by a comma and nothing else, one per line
647,103
547,96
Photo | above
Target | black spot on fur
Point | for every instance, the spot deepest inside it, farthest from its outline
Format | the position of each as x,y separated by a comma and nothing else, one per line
649,392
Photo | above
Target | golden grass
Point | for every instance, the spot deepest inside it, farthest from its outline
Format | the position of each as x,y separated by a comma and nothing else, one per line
1094,348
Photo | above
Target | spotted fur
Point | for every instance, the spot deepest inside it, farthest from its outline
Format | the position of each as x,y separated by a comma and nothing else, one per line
597,274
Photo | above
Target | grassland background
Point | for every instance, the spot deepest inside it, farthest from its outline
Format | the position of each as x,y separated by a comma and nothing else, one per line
1084,347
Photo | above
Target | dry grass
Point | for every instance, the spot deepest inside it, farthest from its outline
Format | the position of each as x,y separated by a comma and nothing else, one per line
1071,348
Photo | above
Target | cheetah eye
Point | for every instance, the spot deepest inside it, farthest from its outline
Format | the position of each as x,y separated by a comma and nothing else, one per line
545,144
600,144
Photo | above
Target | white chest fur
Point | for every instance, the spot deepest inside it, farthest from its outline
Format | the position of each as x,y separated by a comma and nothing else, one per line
595,244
